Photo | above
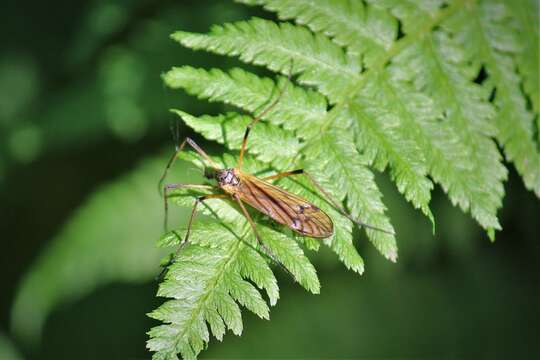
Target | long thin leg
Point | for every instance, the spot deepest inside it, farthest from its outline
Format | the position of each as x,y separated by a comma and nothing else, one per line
198,201
337,206
259,117
259,239
284,174
168,187
179,149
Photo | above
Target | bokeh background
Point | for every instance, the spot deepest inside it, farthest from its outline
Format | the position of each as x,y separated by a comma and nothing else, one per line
84,133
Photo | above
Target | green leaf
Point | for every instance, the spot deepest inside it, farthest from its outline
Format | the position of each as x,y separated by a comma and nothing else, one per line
201,281
497,42
408,12
387,135
474,179
341,171
320,62
366,32
298,109
275,145
292,257
215,273
527,24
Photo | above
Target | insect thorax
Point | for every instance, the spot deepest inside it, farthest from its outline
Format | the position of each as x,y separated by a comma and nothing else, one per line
227,177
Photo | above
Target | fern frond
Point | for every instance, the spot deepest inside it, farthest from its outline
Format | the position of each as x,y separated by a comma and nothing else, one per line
289,253
320,61
202,293
385,139
341,171
275,145
488,34
410,11
208,278
494,39
470,168
299,110
283,247
414,104
366,32
341,242
526,13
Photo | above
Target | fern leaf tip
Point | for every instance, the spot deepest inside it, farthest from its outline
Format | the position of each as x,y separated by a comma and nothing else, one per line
178,35
491,234
179,112
392,255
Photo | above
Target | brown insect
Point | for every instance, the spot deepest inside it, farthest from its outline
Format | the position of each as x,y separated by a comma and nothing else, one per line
282,206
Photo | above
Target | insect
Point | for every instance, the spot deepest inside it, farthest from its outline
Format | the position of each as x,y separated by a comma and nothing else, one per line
282,206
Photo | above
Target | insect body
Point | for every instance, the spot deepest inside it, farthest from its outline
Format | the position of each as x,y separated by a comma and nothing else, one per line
282,206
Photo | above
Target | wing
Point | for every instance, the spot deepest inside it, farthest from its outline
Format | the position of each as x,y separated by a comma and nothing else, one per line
288,209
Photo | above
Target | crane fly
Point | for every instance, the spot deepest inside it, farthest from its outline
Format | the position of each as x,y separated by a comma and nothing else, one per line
286,208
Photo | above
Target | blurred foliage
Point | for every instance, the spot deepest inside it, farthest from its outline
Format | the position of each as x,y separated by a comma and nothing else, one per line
7,350
80,259
83,128
110,69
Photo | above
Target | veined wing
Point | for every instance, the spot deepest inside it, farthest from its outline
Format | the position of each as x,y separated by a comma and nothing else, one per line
288,209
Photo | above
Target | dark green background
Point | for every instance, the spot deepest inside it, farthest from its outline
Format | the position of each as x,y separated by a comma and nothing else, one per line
451,295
